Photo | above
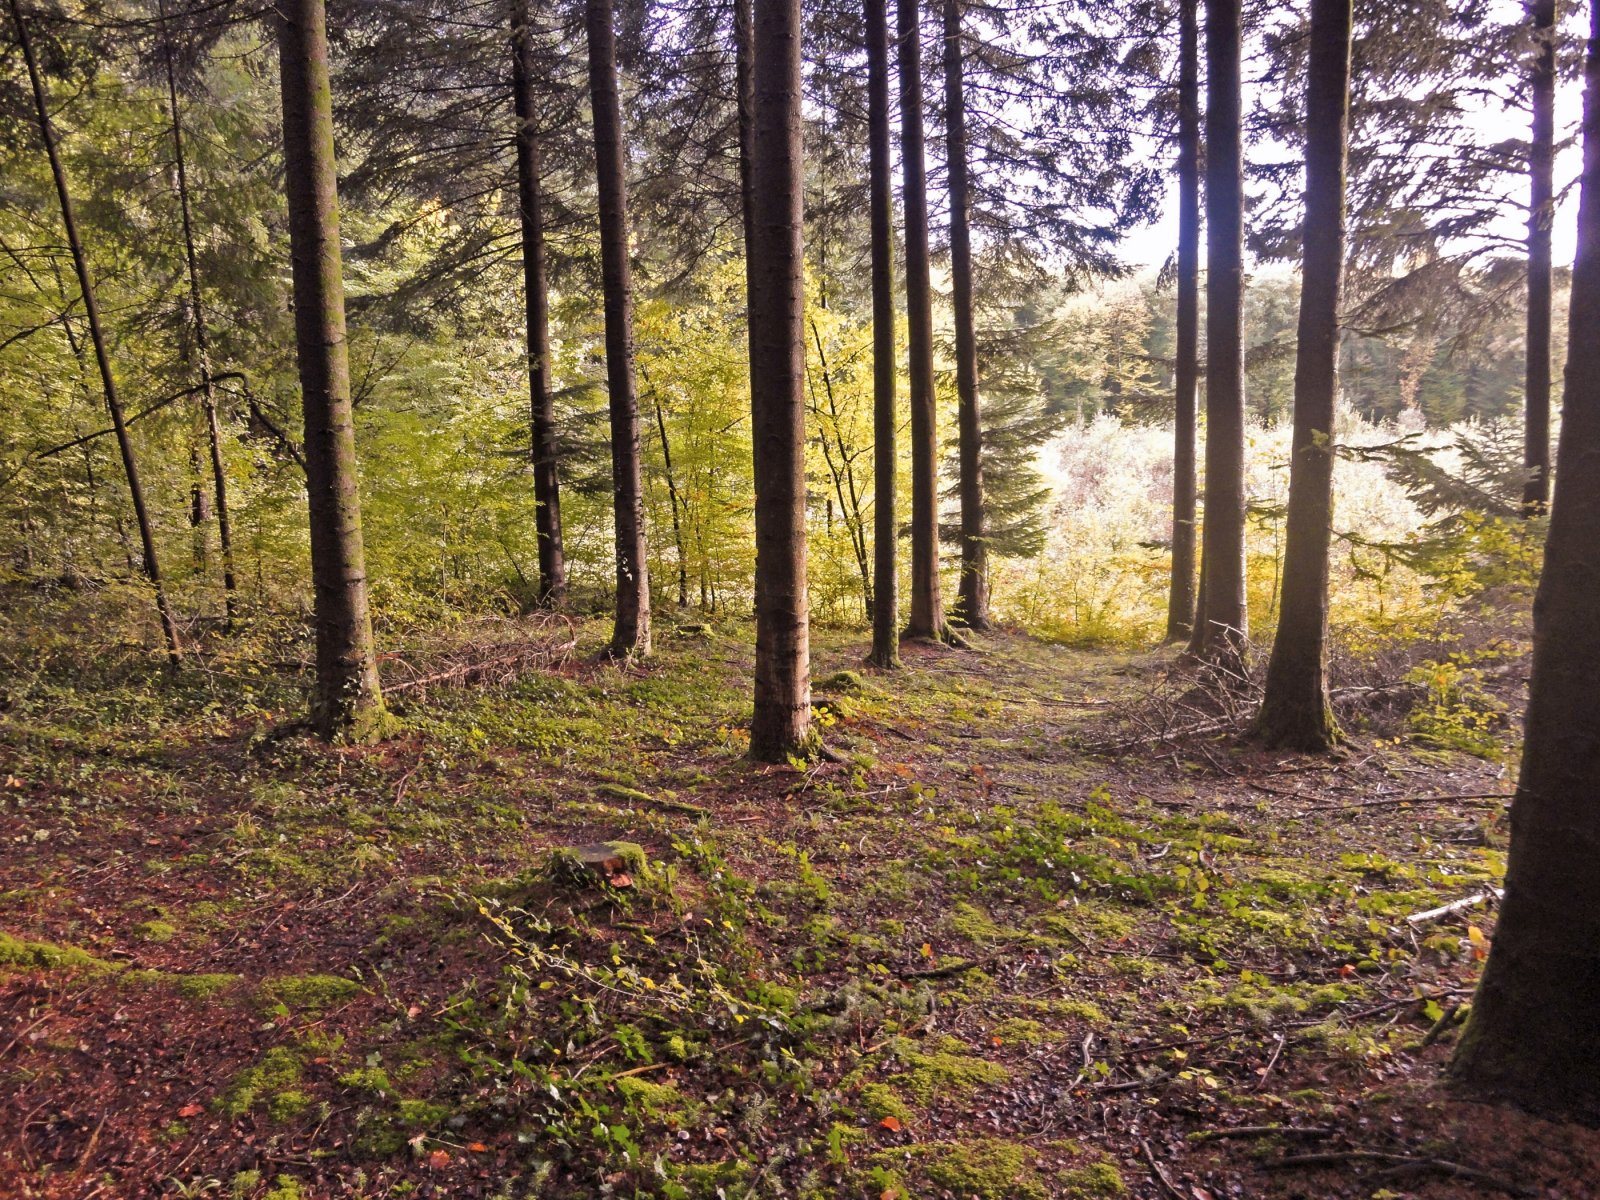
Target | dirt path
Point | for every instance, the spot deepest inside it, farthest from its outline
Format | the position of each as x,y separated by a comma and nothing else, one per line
971,959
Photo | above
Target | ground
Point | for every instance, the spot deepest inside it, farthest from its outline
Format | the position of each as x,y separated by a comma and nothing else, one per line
1020,942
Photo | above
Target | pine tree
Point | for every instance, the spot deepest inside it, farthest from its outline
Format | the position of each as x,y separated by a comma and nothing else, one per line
347,701
886,584
1541,214
1295,709
1186,366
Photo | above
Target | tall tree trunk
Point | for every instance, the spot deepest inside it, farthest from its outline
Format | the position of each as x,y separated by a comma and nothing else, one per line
1533,1035
672,495
631,634
744,97
972,595
927,607
347,701
885,519
102,358
1224,640
1295,711
536,293
782,723
1541,212
202,339
1186,366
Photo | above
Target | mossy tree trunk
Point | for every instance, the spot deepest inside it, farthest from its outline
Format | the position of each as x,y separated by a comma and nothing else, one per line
782,723
927,606
1224,638
536,293
630,635
1533,1036
1186,365
1295,710
346,702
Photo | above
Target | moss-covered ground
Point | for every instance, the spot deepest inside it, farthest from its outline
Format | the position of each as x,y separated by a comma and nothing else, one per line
973,958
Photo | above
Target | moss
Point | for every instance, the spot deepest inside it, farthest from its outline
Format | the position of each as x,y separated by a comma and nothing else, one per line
1097,1181
155,931
306,993
1022,1031
655,1101
271,1083
421,1114
46,956
944,1073
986,1168
202,987
285,1187
565,867
880,1101
243,1183
367,1079
845,683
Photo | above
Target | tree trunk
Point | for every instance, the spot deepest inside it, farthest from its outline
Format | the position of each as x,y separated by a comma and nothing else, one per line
672,496
782,723
631,634
542,421
885,519
927,608
1533,1036
744,89
208,397
102,358
1295,711
1541,212
1186,366
972,596
1224,640
346,702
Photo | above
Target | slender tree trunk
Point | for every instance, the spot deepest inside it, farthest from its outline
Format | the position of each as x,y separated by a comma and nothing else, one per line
202,339
535,282
972,596
1186,367
1541,212
102,358
631,634
927,607
844,474
744,88
1533,1036
1295,711
1224,639
782,723
885,518
672,495
347,701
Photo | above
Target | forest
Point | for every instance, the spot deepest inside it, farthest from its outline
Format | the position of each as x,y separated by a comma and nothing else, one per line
710,599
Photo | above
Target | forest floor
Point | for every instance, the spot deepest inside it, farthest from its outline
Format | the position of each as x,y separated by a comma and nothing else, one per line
1023,942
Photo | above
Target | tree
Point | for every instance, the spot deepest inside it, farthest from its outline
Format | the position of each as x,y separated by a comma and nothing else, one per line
885,530
782,723
1223,640
202,337
1541,213
927,606
1295,711
1533,1036
102,357
631,633
972,603
347,701
536,287
1186,367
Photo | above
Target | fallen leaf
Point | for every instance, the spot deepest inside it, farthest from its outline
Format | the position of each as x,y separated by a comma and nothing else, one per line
892,1124
191,1110
476,1147
438,1159
927,950
1346,971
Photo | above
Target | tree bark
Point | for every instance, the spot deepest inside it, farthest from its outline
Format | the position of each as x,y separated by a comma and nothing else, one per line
1541,213
1295,710
885,463
1533,1036
208,397
1224,641
1186,366
782,723
972,594
536,293
631,633
102,358
347,701
927,607
744,97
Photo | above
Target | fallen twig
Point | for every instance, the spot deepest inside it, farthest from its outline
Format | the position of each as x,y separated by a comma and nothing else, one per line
1167,1186
1391,801
1261,1131
1455,906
